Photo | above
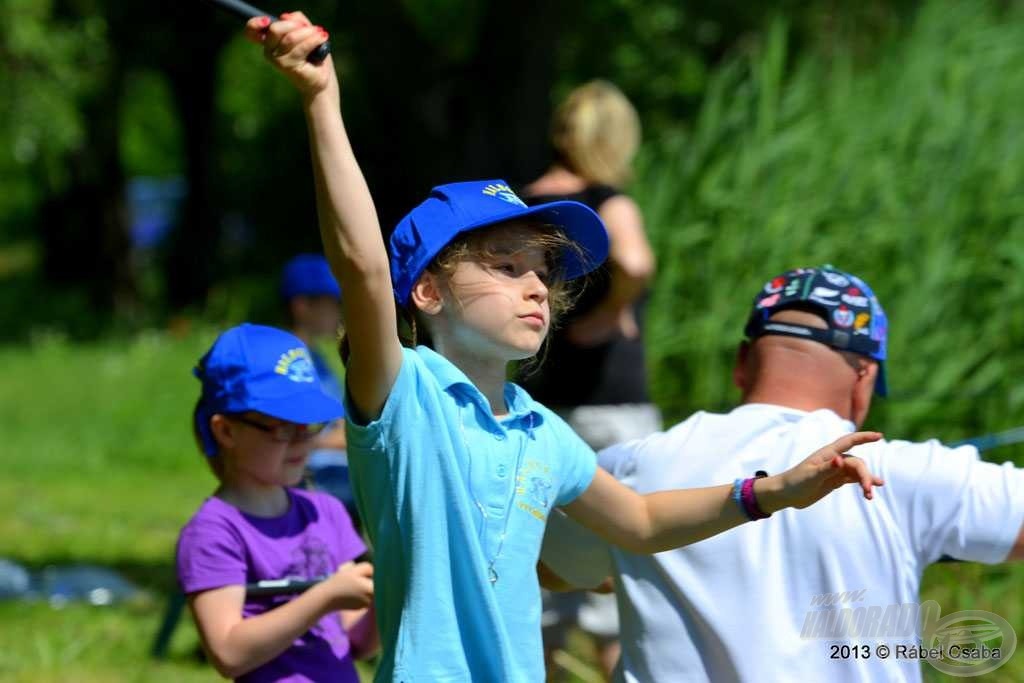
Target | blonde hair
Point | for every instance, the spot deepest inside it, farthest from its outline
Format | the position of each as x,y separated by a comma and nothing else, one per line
596,133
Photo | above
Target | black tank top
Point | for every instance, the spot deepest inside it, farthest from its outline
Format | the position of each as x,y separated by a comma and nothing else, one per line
610,373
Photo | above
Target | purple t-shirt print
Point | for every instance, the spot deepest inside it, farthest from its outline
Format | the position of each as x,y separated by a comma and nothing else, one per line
223,546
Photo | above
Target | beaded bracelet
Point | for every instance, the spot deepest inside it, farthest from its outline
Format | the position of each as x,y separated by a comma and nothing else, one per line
749,501
737,492
743,494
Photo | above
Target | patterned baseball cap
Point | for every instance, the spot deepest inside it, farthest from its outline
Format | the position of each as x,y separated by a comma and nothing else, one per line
855,319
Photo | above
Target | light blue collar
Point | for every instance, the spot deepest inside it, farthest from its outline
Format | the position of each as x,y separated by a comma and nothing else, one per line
520,405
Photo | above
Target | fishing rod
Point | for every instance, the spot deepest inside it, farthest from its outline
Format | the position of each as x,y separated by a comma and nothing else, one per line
987,442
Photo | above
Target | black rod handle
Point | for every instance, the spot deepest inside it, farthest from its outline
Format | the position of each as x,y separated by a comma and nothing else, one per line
280,587
246,11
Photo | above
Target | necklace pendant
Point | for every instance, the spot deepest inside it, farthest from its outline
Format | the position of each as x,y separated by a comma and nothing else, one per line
492,575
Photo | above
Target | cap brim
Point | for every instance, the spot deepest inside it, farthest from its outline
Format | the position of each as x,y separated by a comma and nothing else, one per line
308,407
580,224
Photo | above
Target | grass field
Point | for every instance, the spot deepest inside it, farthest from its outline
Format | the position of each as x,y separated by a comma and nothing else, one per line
99,468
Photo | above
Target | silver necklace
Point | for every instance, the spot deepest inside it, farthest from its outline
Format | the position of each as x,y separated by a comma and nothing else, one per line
492,574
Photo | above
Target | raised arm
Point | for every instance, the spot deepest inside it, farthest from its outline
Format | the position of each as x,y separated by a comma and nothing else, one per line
670,519
348,220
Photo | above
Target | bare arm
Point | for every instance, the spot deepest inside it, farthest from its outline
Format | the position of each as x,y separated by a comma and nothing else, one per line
629,253
361,627
550,580
348,220
655,522
1017,552
236,645
670,519
631,266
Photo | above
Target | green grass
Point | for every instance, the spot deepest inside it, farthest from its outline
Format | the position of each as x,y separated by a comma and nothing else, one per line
101,470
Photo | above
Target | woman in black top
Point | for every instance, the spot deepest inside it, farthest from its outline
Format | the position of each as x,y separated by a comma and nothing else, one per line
594,372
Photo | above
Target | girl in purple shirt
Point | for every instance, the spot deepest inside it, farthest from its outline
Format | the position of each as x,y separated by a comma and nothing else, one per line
261,403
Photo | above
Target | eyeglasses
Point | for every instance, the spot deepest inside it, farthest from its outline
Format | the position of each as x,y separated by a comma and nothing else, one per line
286,432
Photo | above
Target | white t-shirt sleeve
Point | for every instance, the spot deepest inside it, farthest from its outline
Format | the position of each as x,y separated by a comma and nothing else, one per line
576,554
952,503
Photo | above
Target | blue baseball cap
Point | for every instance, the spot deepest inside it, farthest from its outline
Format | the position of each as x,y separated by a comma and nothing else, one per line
264,369
855,319
453,209
308,275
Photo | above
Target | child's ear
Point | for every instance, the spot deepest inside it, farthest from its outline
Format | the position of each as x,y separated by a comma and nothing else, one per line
426,294
223,431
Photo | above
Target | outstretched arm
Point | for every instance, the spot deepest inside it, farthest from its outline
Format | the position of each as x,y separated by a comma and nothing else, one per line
670,519
348,220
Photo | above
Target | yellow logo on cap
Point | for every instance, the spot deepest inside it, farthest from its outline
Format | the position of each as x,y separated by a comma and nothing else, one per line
296,365
503,192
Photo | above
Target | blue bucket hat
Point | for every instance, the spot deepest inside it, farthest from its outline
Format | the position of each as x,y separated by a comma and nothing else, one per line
308,275
855,319
264,369
456,208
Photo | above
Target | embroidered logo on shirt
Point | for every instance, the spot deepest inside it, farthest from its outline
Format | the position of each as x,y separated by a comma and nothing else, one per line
534,489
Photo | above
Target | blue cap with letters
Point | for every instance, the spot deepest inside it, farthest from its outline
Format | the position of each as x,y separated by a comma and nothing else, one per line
262,369
456,208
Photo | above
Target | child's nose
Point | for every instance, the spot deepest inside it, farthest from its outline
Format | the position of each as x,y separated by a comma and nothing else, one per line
535,288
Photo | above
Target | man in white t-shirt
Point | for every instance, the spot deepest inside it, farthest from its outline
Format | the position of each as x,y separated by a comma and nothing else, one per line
765,601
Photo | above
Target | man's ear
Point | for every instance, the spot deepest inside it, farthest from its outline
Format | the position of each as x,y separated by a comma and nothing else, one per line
863,390
426,294
740,371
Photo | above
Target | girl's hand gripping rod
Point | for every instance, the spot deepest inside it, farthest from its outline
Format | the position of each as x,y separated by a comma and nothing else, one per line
247,11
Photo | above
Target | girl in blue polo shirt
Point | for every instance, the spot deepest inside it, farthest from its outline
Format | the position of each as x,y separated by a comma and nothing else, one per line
456,470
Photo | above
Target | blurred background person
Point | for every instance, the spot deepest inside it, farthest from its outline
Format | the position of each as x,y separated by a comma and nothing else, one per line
312,300
594,371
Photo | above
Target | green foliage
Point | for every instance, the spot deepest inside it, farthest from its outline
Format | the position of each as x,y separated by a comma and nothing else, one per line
453,27
47,64
907,172
151,134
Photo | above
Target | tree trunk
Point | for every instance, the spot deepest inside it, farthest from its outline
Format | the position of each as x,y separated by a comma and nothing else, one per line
192,255
84,228
424,118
